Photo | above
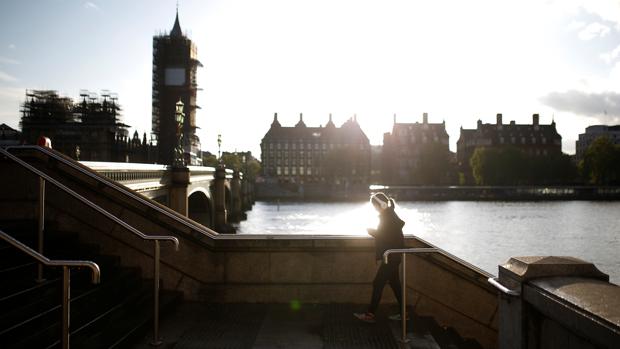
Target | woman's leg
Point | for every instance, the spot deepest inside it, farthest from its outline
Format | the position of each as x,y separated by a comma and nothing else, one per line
381,278
395,284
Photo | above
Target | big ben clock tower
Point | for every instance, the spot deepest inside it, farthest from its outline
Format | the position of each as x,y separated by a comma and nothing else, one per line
174,79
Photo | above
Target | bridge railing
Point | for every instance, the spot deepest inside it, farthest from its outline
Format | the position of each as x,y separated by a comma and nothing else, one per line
83,169
138,177
45,178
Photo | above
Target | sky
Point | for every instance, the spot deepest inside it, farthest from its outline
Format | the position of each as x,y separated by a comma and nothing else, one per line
459,61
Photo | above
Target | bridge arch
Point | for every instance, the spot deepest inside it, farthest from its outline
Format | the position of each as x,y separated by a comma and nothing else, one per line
200,207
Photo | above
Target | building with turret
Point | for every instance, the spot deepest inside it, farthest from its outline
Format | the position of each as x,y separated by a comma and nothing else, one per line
532,139
416,153
175,66
329,154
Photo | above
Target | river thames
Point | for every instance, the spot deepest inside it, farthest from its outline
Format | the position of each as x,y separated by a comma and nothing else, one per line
483,233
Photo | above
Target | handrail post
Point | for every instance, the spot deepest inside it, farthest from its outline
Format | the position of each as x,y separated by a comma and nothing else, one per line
403,309
404,251
156,340
66,305
41,227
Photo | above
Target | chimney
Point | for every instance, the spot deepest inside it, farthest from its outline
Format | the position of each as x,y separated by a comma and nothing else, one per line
499,119
425,118
535,119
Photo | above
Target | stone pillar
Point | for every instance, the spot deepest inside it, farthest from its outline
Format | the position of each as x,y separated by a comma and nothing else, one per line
221,219
515,323
245,203
235,191
177,197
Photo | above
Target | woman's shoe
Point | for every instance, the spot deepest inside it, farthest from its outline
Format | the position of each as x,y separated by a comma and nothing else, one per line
366,317
396,317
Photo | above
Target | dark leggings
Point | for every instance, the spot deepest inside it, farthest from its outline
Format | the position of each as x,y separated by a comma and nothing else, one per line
386,273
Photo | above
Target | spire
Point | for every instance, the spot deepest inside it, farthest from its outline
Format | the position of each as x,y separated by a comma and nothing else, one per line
394,118
301,121
330,123
275,122
176,28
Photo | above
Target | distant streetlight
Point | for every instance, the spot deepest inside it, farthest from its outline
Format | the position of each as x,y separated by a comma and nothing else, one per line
179,159
219,147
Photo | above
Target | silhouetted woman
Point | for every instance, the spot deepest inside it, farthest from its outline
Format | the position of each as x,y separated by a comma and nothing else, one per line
388,235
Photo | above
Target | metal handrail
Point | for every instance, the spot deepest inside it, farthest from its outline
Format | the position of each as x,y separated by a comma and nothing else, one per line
119,188
495,282
66,276
90,203
155,238
403,301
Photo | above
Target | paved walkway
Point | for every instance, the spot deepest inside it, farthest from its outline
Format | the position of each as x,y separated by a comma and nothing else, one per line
261,326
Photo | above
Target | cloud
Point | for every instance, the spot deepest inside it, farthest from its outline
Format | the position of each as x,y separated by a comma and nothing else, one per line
12,46
14,93
6,77
10,100
6,60
576,25
604,106
610,57
91,6
594,30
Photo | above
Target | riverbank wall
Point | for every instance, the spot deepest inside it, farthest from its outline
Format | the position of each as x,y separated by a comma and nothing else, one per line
504,193
328,192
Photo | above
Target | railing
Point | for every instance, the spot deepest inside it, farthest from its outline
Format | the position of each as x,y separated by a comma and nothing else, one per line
66,282
138,177
119,188
404,251
495,282
155,238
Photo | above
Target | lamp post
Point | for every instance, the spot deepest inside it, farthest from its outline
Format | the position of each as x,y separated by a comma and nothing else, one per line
179,159
219,146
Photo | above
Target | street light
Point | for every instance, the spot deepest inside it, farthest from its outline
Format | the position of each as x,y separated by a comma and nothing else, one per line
219,146
179,159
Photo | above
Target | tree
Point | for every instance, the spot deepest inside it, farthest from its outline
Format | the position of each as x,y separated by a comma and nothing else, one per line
554,169
511,166
601,162
491,166
231,160
210,160
234,161
433,166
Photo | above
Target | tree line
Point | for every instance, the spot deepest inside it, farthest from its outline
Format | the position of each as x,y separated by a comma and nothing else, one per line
511,166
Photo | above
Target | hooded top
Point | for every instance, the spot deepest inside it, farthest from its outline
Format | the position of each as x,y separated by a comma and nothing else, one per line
389,233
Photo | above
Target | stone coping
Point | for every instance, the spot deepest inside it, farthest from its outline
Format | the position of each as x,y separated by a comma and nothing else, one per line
595,297
533,267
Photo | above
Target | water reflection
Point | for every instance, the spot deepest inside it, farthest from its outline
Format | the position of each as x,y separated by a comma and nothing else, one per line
310,218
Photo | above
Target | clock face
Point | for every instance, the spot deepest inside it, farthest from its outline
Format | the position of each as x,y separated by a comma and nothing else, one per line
175,76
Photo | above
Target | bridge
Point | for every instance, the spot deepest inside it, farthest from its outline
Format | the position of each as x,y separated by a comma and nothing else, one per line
213,197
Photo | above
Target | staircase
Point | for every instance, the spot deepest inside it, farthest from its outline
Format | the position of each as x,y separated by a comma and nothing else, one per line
445,338
110,314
